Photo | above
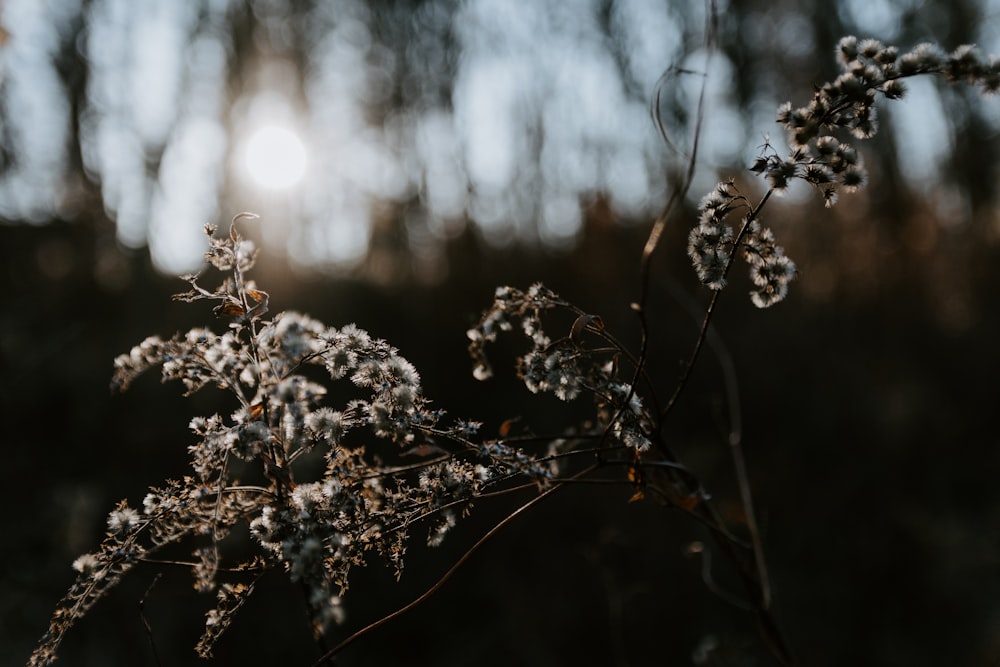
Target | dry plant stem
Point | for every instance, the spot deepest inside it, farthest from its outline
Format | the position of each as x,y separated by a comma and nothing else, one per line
654,240
451,571
145,621
746,497
714,586
759,589
678,195
321,643
735,441
735,447
703,333
185,564
753,584
757,582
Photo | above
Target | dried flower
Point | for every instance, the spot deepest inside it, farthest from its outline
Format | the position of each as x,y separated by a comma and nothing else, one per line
845,105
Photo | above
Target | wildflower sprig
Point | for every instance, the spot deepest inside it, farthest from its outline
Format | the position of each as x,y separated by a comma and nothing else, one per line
626,426
317,491
819,154
566,366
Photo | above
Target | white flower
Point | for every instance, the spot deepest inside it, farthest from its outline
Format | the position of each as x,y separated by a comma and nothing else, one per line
86,563
122,519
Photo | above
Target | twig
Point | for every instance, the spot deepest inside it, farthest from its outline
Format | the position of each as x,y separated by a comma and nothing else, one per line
710,311
324,648
735,443
678,196
145,621
447,575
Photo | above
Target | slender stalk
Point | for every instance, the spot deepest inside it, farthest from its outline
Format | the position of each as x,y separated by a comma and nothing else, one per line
447,575
656,233
145,621
710,311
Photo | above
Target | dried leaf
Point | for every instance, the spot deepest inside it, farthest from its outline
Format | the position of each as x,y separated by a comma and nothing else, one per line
594,322
229,308
507,426
258,295
688,503
424,450
246,215
636,478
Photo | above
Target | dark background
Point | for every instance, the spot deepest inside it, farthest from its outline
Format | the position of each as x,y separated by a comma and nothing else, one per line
868,403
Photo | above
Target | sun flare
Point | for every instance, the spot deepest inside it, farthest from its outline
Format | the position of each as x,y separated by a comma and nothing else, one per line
275,157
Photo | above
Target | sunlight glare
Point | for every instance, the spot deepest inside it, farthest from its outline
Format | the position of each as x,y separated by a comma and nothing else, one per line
275,157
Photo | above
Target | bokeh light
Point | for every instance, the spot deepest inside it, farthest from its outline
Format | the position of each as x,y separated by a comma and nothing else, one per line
275,157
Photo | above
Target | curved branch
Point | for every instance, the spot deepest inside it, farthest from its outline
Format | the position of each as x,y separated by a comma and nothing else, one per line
447,575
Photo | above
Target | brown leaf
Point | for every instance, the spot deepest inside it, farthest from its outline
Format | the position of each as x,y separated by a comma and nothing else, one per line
507,426
258,295
582,323
230,308
424,450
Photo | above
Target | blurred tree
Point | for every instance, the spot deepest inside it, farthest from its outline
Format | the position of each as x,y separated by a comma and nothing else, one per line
421,118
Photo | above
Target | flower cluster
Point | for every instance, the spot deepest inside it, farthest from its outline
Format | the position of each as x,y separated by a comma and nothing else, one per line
819,155
316,491
770,269
712,243
508,304
99,572
565,366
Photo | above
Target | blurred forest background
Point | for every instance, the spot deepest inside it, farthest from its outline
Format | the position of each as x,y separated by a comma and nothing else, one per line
451,147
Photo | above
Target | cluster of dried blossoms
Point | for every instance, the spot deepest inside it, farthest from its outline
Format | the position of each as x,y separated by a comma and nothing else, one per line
308,475
309,478
845,106
566,366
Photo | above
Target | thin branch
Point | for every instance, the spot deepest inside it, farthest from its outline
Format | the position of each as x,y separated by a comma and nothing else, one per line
656,233
447,575
735,442
710,311
680,193
746,497
184,563
321,643
145,621
698,549
749,575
